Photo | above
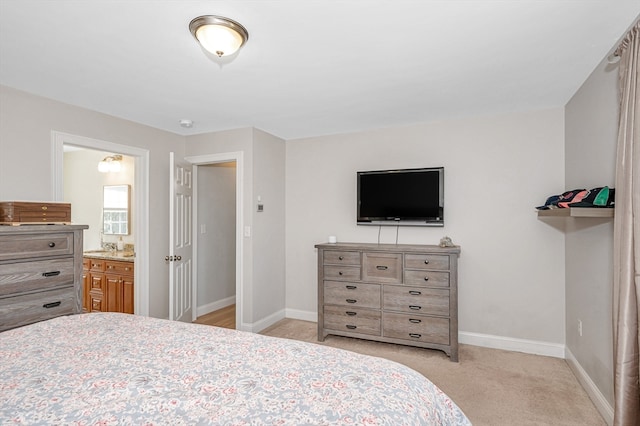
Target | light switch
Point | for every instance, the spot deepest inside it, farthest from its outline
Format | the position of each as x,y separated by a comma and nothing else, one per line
247,231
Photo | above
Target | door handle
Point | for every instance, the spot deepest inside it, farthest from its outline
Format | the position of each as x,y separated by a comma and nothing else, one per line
168,258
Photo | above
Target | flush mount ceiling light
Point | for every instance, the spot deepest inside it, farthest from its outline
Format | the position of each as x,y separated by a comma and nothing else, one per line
218,35
110,164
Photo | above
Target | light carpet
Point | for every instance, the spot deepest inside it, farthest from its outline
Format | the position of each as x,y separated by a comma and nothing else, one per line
491,386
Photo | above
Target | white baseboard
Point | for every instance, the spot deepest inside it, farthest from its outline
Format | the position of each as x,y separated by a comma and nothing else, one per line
258,326
214,306
602,405
301,315
555,350
535,347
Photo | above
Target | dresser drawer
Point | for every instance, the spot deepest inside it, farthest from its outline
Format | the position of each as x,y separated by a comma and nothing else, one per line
426,261
382,267
44,216
24,277
116,267
352,294
352,319
335,257
416,328
432,301
96,265
343,273
426,278
36,245
30,308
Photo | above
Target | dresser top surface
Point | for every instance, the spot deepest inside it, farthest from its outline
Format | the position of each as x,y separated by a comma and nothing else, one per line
406,248
22,229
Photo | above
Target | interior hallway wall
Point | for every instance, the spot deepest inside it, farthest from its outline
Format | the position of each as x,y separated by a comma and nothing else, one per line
217,236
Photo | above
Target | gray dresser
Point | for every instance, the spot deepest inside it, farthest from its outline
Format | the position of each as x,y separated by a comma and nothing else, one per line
395,293
40,273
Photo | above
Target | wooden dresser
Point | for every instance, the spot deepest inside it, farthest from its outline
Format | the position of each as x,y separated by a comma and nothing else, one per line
405,294
40,273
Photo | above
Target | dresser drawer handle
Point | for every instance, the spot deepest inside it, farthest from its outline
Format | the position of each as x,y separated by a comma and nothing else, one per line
351,327
426,262
52,244
382,268
351,300
426,278
415,293
415,321
351,313
351,287
415,335
340,273
51,274
415,307
341,258
52,304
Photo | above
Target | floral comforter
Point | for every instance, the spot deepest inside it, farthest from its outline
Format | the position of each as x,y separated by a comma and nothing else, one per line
107,369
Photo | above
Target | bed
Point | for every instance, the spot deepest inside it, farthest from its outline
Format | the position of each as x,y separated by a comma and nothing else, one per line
110,368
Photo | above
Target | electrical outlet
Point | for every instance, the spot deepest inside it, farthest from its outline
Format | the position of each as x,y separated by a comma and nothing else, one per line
580,328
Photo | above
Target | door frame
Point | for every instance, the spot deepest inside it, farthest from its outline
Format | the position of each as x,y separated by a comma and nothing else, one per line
203,160
140,215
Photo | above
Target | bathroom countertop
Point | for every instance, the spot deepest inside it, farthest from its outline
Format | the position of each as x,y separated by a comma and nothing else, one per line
125,256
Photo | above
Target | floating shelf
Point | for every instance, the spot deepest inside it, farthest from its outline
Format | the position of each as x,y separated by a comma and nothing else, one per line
577,212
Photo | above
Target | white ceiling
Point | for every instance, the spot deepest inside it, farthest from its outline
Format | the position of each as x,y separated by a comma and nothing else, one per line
310,67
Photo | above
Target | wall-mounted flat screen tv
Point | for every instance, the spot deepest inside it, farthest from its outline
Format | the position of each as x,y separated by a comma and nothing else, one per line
411,197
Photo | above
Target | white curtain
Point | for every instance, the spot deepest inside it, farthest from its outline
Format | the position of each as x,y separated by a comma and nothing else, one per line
626,255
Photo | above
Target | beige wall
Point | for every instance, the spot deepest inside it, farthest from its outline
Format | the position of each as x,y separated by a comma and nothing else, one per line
269,225
590,146
217,244
497,169
26,165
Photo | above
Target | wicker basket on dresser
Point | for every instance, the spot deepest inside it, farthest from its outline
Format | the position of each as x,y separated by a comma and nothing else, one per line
394,293
40,273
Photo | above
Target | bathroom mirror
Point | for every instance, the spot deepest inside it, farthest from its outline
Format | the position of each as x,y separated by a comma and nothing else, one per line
115,210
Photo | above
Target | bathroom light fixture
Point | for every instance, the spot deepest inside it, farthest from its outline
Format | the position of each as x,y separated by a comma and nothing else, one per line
218,35
110,164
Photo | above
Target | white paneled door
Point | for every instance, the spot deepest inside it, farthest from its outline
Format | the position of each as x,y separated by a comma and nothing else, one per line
180,240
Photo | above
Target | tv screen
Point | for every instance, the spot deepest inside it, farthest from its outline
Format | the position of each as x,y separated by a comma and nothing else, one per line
413,197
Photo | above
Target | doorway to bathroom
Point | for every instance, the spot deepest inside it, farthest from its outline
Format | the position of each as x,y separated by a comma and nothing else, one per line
139,207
